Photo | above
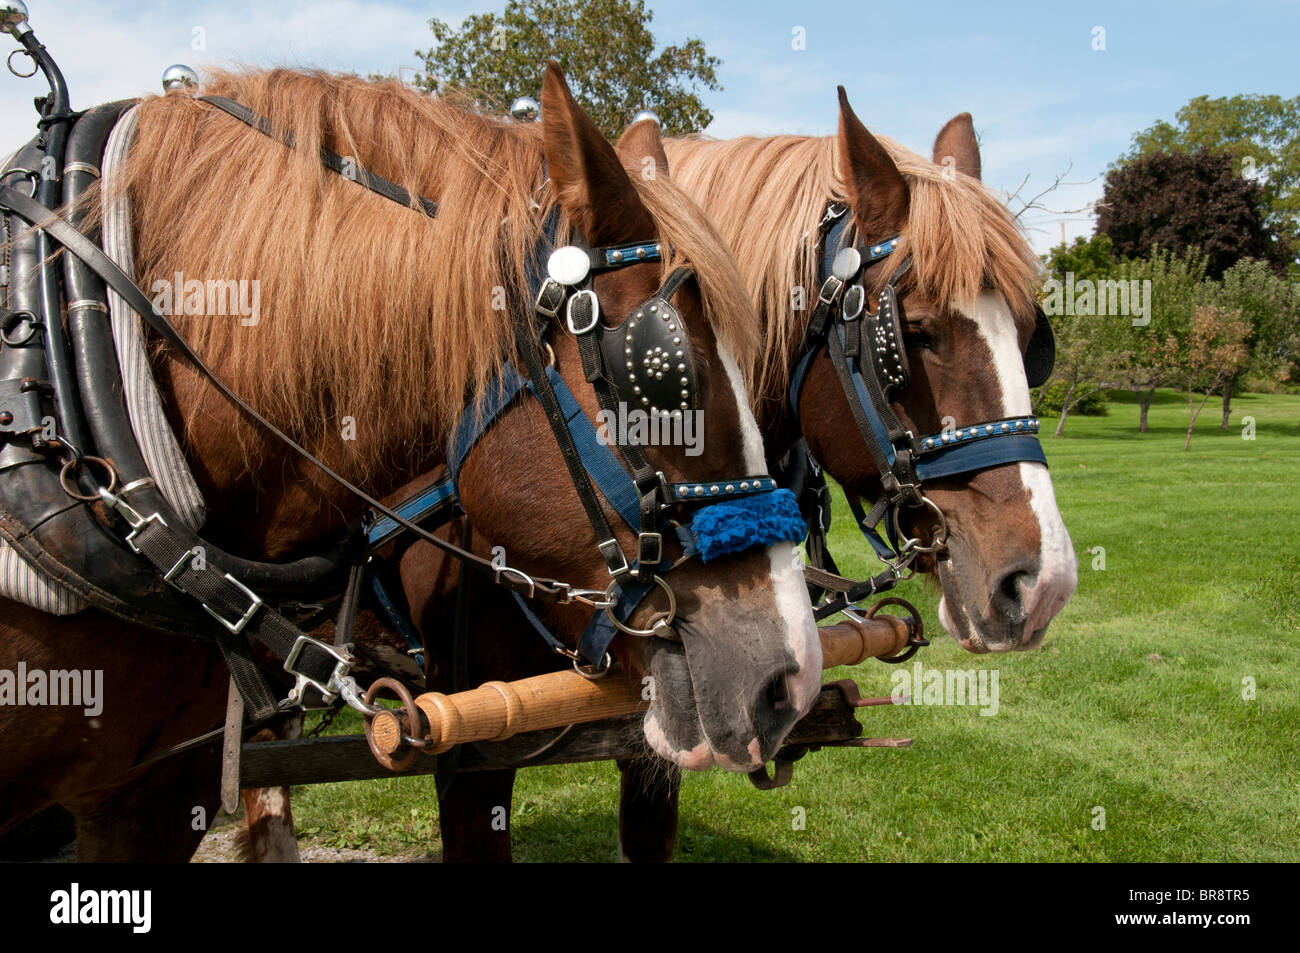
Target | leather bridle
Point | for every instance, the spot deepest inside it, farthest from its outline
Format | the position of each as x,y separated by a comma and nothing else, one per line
867,351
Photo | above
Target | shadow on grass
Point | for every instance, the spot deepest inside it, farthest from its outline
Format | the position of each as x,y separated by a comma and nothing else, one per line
584,839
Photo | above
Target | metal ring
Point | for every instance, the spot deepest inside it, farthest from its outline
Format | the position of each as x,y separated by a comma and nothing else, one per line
74,462
550,354
590,672
940,540
662,618
11,321
30,55
402,762
915,628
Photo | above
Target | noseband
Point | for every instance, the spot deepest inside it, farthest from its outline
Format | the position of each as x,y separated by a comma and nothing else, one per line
842,325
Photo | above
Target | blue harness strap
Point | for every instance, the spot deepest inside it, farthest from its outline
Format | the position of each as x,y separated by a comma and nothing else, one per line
980,455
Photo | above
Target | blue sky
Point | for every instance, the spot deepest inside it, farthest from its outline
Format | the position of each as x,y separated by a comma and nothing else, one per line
1044,100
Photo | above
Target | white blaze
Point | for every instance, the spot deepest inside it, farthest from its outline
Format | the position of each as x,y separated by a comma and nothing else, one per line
787,581
1058,568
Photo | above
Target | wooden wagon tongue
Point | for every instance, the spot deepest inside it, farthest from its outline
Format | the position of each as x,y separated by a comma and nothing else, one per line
433,722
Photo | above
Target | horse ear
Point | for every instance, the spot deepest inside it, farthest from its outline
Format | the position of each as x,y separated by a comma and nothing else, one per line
640,146
957,146
877,190
589,179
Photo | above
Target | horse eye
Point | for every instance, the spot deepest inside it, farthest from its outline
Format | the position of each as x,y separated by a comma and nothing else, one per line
917,338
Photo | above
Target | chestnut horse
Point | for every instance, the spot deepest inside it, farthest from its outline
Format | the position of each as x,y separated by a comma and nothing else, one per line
1008,567
379,323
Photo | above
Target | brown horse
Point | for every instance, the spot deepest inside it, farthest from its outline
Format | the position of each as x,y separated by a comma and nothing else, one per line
377,325
1009,566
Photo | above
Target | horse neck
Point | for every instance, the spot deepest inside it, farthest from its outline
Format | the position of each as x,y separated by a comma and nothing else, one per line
263,500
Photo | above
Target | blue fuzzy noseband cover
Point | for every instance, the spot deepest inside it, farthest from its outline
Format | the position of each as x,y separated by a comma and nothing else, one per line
736,525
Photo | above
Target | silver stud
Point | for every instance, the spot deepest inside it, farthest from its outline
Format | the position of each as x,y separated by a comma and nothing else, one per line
684,405
654,308
714,488
617,256
686,393
641,253
645,401
731,488
677,340
682,491
744,485
699,491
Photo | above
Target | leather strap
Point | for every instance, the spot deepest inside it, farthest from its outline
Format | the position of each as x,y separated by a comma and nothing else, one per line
347,168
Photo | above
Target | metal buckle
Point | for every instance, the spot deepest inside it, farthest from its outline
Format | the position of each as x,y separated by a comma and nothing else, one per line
549,311
176,569
834,211
238,626
338,680
608,549
830,290
649,549
519,573
595,311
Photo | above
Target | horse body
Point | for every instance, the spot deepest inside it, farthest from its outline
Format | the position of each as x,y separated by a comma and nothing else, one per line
377,323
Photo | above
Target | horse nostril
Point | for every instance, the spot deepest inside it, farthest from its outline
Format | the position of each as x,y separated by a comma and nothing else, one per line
1010,587
777,693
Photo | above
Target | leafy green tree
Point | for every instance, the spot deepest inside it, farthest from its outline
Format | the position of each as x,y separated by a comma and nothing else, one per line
1085,356
1270,307
605,48
1260,132
1146,356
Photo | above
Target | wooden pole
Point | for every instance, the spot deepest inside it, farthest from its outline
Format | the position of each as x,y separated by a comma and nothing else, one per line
498,710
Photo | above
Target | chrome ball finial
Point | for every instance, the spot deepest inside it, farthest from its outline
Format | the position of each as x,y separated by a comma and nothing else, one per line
13,17
179,76
526,109
646,114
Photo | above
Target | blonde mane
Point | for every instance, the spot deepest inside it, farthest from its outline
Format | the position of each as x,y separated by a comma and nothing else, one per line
368,310
766,196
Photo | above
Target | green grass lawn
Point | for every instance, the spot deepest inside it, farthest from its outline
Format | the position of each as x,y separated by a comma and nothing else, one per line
1134,705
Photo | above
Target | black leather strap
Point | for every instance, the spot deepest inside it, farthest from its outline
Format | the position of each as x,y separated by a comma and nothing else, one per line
329,158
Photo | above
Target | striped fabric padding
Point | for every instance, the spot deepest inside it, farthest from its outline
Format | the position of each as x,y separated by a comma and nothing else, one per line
162,454
19,580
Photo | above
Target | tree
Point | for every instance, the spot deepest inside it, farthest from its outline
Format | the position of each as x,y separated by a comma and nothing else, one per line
1213,350
604,46
1145,355
1270,307
1085,358
1180,201
1260,132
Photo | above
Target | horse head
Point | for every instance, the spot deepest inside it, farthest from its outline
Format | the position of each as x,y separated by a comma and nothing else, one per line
968,324
739,661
